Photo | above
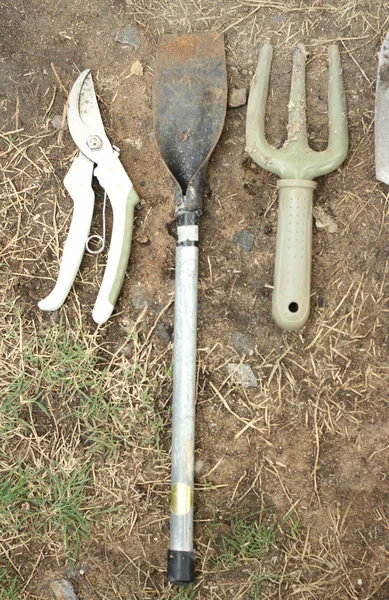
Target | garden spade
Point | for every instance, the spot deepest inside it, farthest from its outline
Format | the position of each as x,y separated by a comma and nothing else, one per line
190,98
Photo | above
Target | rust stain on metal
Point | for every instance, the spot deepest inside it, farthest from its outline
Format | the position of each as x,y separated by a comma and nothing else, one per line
181,49
190,97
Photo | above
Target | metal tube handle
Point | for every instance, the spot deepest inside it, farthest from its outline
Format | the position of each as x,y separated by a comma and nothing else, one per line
180,568
292,276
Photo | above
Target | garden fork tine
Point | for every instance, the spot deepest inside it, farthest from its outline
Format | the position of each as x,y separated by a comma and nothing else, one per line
296,164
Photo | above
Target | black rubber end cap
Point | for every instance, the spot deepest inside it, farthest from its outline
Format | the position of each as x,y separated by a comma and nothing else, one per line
180,567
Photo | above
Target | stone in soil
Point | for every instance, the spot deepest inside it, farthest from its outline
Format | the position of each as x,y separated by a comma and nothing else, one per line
243,343
143,239
140,297
57,122
162,332
63,590
243,374
244,239
128,35
257,284
237,97
323,220
136,68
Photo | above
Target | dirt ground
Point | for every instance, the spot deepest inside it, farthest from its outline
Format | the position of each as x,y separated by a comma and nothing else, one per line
309,445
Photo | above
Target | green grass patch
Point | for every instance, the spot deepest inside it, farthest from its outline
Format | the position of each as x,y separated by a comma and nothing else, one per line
250,542
188,593
48,503
155,421
9,582
56,418
64,379
250,537
66,413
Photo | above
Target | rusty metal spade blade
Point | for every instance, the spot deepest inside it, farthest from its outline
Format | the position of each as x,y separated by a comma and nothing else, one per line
190,98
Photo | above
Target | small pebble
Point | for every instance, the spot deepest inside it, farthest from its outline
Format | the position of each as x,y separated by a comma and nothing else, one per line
142,239
244,239
140,297
278,19
257,284
322,302
162,332
237,97
199,466
360,582
136,69
63,590
243,343
57,122
243,374
323,220
128,35
278,142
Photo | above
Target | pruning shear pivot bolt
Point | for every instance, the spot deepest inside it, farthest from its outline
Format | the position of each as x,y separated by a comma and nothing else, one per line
296,164
87,130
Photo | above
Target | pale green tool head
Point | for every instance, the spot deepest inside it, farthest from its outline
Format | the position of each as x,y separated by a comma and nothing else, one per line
296,160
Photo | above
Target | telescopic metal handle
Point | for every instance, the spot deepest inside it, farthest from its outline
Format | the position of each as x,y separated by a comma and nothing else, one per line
180,569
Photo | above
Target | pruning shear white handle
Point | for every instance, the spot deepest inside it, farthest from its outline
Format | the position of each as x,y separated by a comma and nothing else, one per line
87,130
80,190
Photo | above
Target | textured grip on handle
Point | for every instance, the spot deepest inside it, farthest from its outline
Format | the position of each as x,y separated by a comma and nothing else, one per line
292,276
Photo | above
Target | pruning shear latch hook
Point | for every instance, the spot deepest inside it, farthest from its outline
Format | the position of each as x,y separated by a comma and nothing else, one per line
100,238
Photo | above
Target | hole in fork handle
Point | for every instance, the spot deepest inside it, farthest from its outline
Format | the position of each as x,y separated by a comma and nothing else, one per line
293,307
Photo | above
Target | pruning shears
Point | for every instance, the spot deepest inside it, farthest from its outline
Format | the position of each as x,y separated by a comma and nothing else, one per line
97,157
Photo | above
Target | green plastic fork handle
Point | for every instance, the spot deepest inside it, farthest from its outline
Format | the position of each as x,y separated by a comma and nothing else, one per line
292,275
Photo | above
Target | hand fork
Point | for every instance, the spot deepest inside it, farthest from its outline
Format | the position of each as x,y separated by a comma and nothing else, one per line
296,164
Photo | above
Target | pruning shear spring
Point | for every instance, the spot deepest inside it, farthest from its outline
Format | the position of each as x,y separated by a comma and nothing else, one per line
97,157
